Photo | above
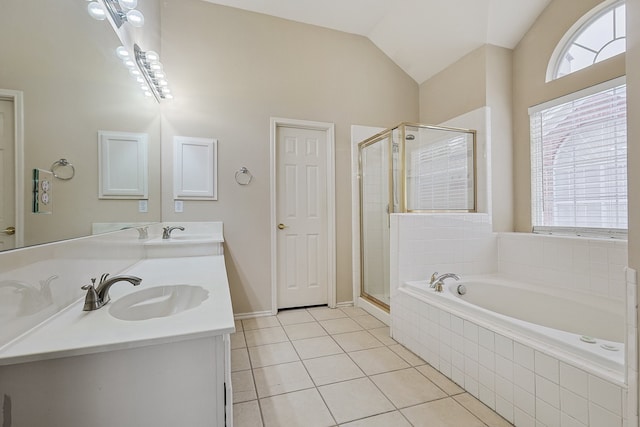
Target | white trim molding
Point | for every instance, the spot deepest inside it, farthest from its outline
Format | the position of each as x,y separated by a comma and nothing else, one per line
329,129
17,97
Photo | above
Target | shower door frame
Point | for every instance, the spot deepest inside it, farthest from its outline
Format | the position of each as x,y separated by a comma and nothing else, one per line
378,137
401,187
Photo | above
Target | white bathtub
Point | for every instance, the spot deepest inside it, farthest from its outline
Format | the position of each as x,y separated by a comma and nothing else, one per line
555,320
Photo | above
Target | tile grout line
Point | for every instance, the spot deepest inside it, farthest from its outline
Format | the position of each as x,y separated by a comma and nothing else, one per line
315,386
253,376
348,354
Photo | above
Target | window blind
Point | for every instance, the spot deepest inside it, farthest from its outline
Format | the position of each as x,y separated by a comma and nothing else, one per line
579,162
440,175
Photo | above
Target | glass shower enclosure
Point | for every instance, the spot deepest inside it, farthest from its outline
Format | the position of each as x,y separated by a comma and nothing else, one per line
408,168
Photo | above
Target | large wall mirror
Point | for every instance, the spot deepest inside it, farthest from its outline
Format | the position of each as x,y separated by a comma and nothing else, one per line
73,85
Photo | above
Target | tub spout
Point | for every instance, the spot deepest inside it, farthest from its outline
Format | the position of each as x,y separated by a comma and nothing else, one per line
438,282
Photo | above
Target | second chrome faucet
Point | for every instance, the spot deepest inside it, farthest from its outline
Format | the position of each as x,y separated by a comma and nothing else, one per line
166,231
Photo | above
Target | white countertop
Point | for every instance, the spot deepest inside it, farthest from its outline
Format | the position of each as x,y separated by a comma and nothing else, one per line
74,332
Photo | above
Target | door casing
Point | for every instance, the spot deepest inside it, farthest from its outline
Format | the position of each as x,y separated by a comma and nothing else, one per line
17,98
329,129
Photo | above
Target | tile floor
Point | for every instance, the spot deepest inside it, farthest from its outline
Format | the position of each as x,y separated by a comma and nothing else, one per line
328,367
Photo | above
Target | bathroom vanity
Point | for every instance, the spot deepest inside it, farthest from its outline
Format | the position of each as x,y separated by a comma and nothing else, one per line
157,354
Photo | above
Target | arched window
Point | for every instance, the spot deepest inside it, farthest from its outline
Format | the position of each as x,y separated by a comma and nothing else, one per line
599,35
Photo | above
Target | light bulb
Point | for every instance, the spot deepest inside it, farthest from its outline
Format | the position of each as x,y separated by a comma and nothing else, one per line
128,4
147,93
134,72
96,10
139,79
159,75
129,63
163,83
135,18
156,66
122,52
165,90
152,56
168,96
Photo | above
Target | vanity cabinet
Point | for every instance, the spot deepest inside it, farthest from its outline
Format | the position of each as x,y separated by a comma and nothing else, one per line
184,383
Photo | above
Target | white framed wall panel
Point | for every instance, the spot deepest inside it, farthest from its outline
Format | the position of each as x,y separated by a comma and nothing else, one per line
195,168
122,165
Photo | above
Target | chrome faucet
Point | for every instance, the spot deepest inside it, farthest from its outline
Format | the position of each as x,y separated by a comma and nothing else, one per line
166,231
438,281
99,296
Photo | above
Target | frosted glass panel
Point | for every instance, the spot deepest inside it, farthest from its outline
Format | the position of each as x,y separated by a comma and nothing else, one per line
375,219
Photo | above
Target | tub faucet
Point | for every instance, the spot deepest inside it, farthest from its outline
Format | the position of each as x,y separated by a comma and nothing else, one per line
99,296
437,281
166,231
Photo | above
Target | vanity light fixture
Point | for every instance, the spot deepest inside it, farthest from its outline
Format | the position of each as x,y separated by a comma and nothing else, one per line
151,72
121,11
146,69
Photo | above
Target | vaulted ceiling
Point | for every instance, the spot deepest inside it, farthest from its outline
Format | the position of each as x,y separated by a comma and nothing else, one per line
422,36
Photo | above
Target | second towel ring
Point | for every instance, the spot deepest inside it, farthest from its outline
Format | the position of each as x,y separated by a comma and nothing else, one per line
243,176
63,163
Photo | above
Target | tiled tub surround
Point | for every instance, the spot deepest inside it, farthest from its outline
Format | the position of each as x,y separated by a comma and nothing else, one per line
529,383
505,305
62,366
521,380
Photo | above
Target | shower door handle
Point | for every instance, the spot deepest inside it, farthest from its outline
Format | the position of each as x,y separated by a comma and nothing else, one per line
281,226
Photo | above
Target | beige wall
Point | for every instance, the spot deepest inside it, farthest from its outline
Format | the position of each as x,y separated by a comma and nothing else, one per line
530,59
232,70
481,78
458,89
73,86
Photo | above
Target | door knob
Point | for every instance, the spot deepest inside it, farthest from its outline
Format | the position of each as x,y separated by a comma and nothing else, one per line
10,231
281,226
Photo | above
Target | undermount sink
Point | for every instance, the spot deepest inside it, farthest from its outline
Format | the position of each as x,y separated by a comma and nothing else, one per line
159,301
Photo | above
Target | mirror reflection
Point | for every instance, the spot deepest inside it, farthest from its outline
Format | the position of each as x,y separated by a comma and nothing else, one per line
60,84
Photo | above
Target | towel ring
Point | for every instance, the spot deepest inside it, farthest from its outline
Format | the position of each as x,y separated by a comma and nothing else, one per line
243,176
63,163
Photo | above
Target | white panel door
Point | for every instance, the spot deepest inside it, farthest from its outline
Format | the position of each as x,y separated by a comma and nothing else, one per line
301,179
7,175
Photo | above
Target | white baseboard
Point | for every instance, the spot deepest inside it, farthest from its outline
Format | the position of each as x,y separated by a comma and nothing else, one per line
242,316
344,304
